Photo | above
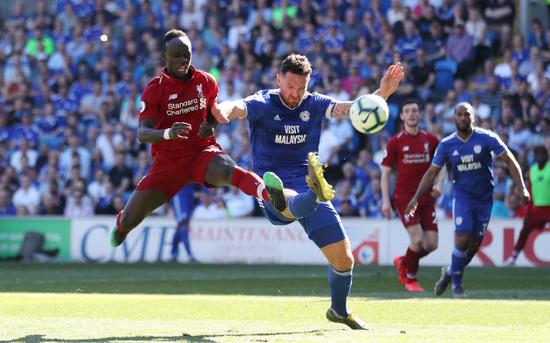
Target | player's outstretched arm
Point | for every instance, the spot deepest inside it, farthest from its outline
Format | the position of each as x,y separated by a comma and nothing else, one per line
426,184
147,133
390,80
385,185
389,83
232,109
219,114
515,172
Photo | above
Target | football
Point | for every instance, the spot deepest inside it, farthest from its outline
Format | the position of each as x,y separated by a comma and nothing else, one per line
369,113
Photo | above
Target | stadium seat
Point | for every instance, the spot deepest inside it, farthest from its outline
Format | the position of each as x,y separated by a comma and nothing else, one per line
445,71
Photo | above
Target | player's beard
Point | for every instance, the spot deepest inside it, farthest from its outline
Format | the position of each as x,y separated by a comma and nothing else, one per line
287,101
464,130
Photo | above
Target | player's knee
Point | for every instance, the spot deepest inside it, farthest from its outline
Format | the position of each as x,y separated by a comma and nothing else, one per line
220,170
344,262
430,246
416,242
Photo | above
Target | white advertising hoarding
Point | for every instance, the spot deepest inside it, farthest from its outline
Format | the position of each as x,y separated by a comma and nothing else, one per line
255,240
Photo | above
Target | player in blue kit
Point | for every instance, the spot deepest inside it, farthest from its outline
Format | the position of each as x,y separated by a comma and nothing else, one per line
470,151
183,204
285,127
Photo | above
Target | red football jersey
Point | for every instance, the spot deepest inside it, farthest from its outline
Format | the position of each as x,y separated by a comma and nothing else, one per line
413,156
168,100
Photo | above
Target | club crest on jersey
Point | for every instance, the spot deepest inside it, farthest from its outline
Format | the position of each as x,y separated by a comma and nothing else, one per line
426,147
459,221
477,149
199,91
305,116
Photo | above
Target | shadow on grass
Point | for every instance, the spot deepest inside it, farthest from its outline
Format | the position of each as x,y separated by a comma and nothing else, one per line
272,280
183,337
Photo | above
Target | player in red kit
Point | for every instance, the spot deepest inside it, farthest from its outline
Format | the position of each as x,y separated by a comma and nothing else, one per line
411,151
174,110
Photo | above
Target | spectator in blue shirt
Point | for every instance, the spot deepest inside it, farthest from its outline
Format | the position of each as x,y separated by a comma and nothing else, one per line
6,205
408,43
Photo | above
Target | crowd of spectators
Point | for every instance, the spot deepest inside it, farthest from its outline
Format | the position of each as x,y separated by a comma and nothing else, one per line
73,71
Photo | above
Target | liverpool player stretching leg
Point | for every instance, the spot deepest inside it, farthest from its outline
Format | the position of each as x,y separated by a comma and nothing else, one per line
173,116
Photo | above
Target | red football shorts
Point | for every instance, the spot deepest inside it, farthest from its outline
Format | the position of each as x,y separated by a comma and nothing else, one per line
171,172
424,214
537,217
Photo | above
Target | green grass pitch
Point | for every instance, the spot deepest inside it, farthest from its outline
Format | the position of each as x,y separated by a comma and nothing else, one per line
262,303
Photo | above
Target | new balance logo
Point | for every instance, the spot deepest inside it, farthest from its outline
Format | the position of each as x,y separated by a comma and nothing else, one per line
455,153
172,97
277,118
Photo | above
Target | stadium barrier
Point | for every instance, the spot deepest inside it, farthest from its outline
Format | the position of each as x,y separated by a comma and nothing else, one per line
255,240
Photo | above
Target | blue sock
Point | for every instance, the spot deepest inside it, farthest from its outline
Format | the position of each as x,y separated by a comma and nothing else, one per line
458,262
340,285
303,204
184,238
175,242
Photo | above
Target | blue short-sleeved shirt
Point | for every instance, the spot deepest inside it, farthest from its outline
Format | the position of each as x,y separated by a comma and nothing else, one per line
281,138
472,162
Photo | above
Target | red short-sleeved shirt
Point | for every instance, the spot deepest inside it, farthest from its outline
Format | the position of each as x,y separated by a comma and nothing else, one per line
413,156
169,100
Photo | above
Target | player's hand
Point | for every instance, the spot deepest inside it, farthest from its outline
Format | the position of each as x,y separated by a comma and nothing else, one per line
180,130
219,115
436,192
525,197
206,129
411,207
391,80
386,208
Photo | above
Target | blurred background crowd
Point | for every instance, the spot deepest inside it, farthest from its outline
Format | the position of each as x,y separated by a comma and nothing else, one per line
72,72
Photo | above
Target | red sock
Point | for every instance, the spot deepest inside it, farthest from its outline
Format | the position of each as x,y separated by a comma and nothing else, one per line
118,222
250,183
520,244
411,260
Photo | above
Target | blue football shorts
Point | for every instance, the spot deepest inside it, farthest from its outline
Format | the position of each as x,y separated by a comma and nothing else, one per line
323,227
472,216
183,204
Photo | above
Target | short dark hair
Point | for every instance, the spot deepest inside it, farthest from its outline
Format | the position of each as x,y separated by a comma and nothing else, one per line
296,64
170,35
408,102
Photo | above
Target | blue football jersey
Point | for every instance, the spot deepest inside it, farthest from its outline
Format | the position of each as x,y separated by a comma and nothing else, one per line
281,138
472,162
